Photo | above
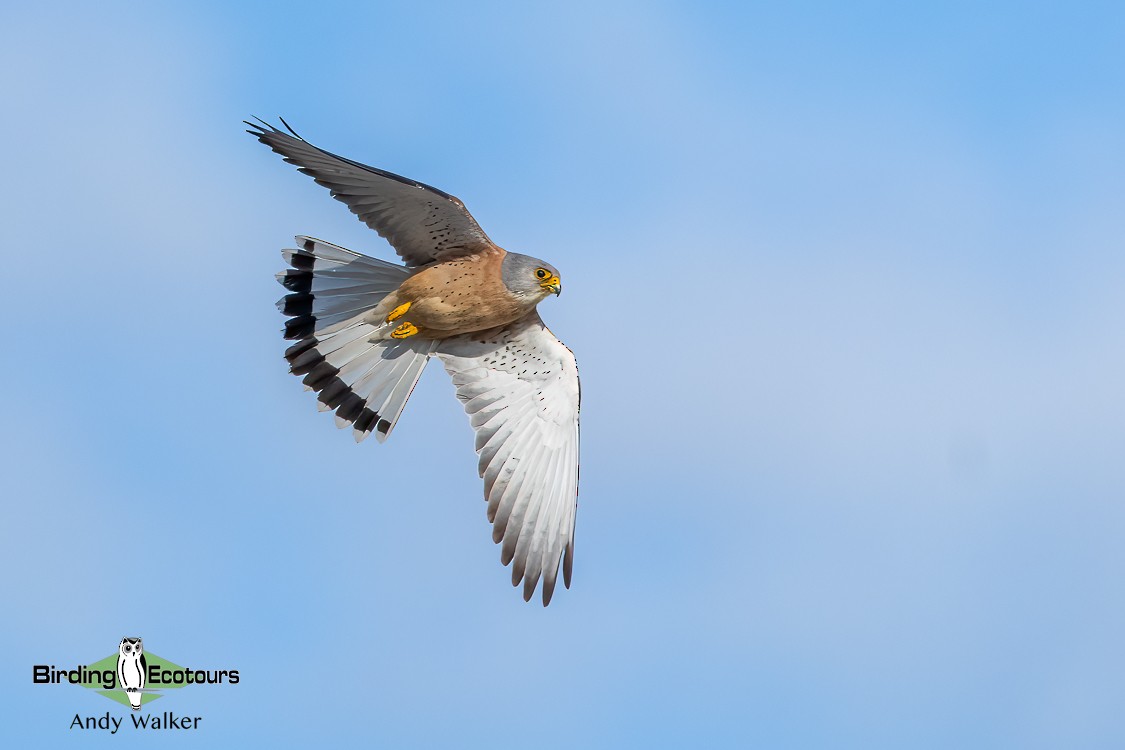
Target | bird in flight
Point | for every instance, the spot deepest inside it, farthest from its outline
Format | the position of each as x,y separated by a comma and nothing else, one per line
364,329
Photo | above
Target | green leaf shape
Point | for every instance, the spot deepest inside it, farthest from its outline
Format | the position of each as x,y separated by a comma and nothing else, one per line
109,663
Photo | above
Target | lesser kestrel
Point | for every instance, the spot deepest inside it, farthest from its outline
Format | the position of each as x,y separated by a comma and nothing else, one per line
365,329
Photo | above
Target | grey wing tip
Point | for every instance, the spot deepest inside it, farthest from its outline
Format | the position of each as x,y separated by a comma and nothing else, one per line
289,128
568,564
264,130
261,127
550,579
530,583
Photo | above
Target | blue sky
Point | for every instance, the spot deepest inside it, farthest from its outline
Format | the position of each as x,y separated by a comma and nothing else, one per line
844,282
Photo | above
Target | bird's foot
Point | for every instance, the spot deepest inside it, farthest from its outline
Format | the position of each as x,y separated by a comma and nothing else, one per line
404,331
399,311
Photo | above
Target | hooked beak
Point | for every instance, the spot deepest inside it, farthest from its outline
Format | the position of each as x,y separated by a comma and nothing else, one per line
552,285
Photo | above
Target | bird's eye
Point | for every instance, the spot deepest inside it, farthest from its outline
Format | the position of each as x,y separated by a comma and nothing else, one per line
541,273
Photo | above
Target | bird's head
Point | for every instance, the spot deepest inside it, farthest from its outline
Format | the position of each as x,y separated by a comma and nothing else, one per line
525,276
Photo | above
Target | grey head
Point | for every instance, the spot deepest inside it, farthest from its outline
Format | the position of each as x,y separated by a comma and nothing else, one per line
529,277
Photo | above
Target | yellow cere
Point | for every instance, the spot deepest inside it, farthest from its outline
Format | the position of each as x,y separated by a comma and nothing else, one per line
551,284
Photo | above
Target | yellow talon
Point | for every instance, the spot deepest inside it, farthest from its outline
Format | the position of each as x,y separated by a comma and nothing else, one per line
404,330
399,311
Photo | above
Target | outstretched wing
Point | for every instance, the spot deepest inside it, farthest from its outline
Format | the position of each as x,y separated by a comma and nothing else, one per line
519,386
422,223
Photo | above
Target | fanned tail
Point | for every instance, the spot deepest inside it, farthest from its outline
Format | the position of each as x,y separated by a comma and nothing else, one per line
343,354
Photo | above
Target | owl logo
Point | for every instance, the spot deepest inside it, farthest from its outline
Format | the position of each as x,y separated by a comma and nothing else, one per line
131,670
